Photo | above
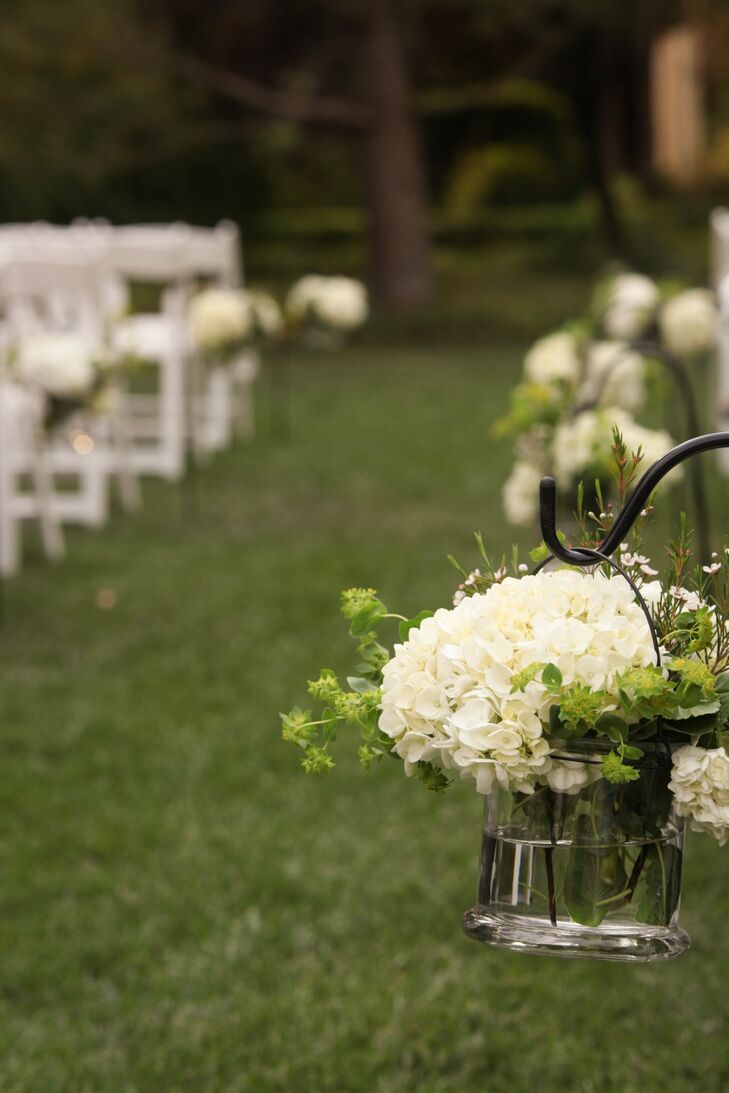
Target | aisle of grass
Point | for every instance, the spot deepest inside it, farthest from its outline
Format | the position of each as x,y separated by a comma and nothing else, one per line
180,908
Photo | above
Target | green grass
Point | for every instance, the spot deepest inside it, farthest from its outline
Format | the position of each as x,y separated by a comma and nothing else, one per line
180,907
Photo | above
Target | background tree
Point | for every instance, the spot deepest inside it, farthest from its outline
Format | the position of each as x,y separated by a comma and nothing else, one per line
183,109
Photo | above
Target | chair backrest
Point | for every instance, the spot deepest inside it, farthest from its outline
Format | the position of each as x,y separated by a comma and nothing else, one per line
54,286
215,253
149,253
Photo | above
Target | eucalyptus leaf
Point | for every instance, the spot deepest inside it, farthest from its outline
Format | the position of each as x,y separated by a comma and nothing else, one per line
360,685
366,618
699,710
593,878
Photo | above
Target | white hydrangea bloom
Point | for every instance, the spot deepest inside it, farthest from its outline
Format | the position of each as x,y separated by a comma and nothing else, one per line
584,443
219,318
62,364
337,302
447,695
700,786
568,776
520,494
631,303
553,358
688,323
615,376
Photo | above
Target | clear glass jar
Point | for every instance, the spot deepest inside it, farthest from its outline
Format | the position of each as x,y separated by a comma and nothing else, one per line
591,872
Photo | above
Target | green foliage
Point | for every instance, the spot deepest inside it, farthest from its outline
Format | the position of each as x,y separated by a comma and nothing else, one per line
594,880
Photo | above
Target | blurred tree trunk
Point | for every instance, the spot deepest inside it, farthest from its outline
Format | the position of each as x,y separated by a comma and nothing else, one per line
393,167
595,104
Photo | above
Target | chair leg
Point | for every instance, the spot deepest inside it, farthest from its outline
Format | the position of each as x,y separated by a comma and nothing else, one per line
130,493
51,533
9,542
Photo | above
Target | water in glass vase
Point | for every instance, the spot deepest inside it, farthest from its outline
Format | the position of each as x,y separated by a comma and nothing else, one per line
594,874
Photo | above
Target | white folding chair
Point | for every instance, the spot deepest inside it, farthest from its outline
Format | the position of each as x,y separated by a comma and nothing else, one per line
156,255
51,285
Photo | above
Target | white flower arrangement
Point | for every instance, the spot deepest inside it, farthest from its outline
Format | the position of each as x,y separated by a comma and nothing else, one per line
335,303
615,375
520,493
583,444
449,695
220,320
579,383
62,364
554,358
492,690
566,697
688,323
630,302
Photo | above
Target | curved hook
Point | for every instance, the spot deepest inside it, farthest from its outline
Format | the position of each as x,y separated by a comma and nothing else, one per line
632,508
680,376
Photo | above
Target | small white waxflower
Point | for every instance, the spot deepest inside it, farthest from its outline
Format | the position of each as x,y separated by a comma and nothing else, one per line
553,358
713,568
700,786
691,600
688,323
630,306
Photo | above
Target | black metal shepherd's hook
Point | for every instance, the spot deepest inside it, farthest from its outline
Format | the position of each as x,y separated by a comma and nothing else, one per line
630,510
680,376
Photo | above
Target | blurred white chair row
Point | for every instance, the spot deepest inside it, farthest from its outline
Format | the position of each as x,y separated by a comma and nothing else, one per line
78,279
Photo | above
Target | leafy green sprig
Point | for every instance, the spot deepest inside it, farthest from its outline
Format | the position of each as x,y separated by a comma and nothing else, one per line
357,705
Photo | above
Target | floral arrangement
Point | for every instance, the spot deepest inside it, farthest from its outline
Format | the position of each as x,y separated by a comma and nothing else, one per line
490,689
70,370
326,305
590,710
222,321
581,381
319,310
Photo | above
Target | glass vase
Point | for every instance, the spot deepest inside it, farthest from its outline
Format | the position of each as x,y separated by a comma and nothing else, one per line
594,871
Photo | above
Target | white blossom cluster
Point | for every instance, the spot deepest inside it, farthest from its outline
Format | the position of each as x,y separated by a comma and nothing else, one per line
700,786
61,364
339,303
220,319
614,376
553,358
631,301
447,691
520,494
584,442
688,323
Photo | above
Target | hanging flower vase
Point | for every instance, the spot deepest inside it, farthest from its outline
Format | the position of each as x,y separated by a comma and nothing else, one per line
593,871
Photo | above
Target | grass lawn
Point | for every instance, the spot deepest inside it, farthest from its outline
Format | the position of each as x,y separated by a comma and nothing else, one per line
180,907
